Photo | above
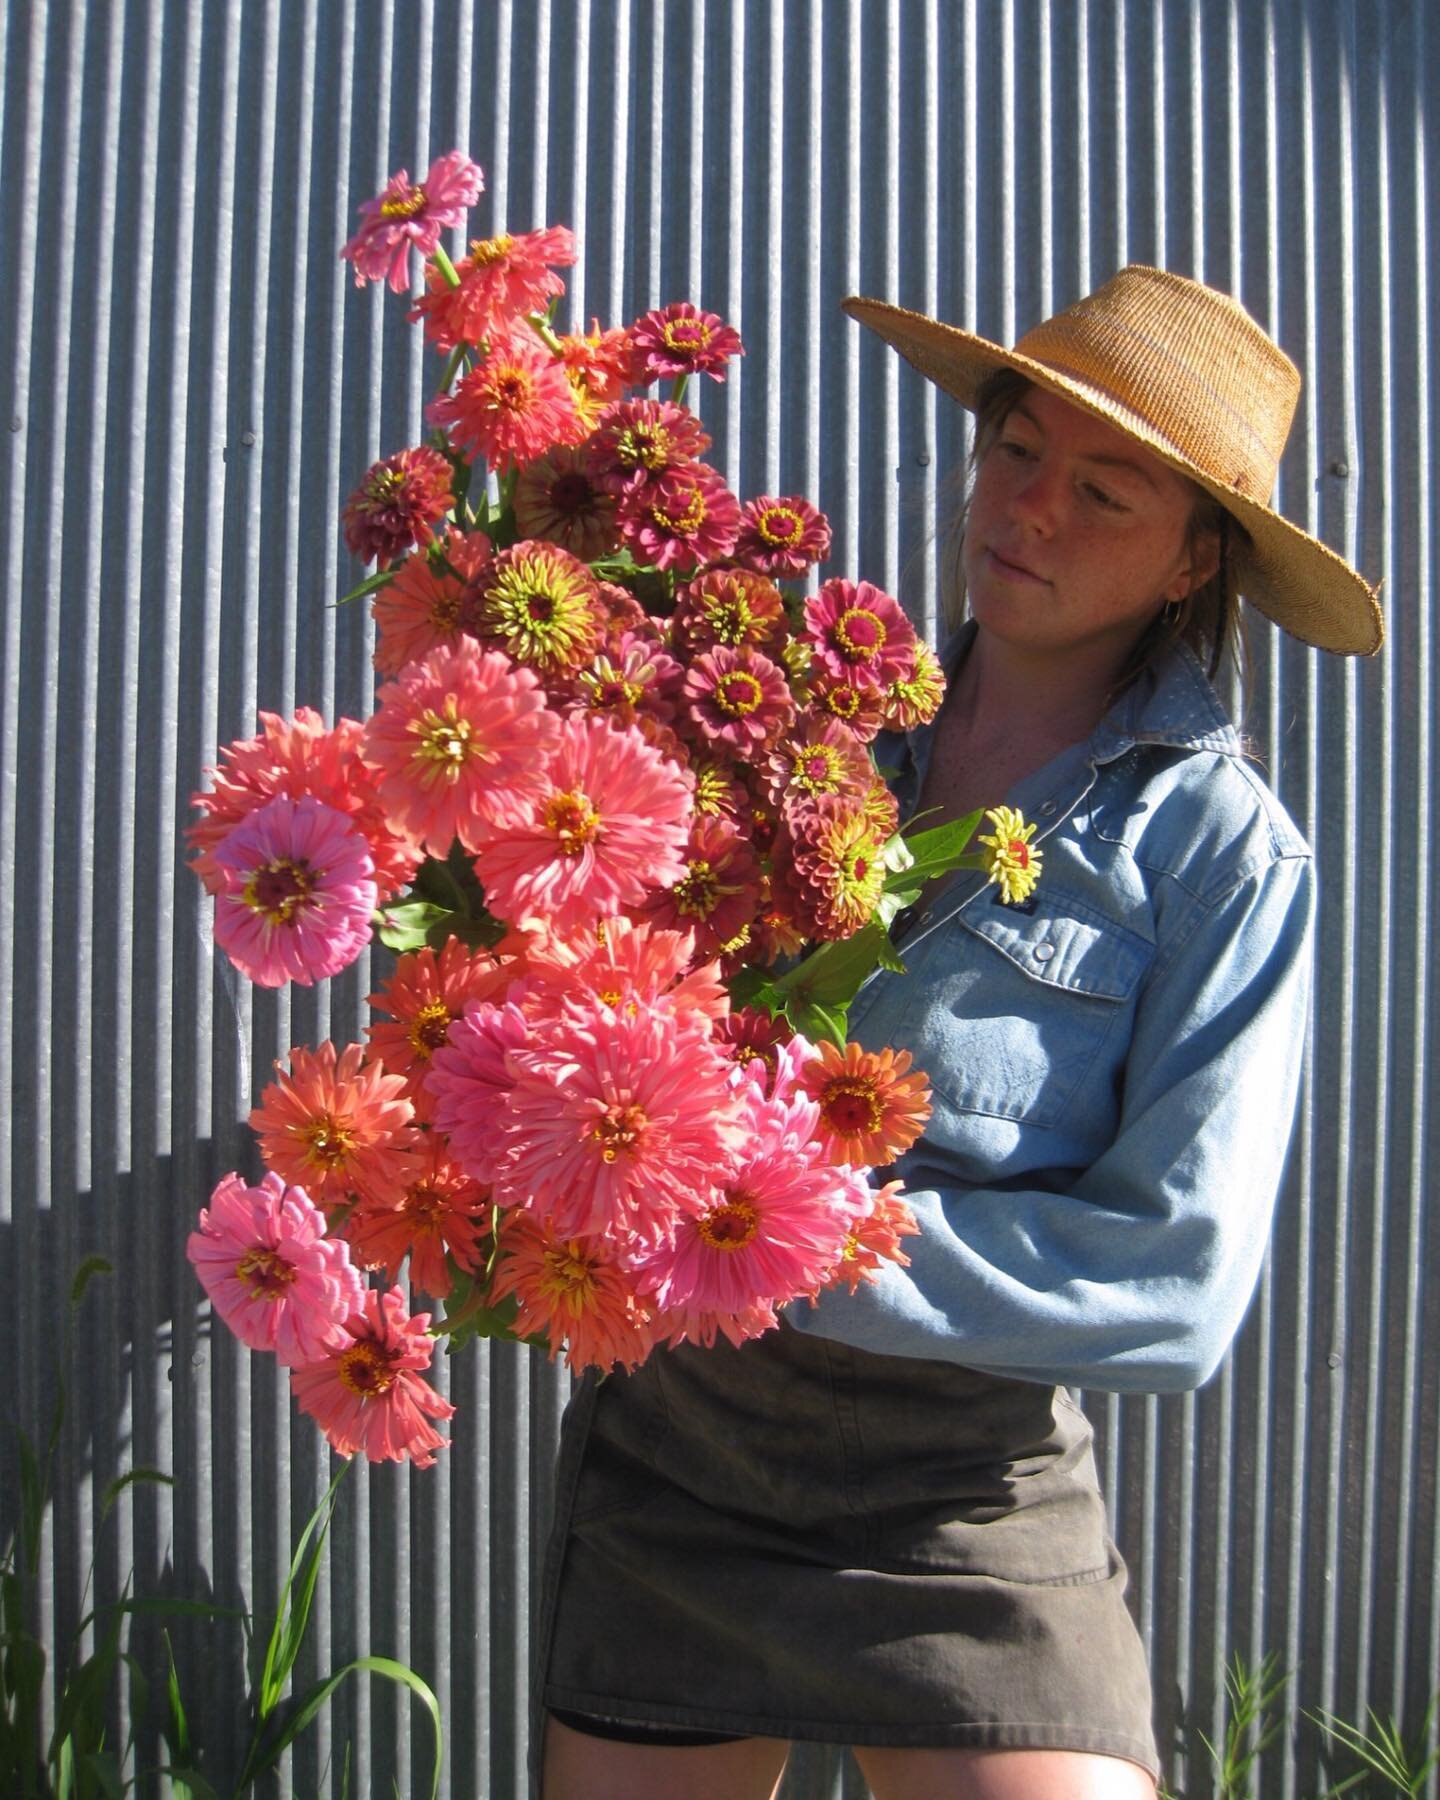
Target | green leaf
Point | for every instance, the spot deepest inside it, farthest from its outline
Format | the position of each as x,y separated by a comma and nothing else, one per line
103,1768
187,1783
822,1024
180,1743
754,986
936,852
310,1704
408,926
292,1618
476,1318
32,1503
118,1486
372,584
91,1267
834,974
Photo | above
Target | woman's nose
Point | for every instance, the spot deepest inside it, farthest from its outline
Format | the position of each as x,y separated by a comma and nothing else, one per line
1036,500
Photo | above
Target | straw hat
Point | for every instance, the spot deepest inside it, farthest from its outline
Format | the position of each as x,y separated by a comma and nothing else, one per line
1188,374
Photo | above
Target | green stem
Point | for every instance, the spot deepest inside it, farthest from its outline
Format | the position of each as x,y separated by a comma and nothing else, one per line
443,263
677,392
457,356
542,329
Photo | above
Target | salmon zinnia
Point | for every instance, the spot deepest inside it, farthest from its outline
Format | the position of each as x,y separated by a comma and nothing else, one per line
871,1108
335,1126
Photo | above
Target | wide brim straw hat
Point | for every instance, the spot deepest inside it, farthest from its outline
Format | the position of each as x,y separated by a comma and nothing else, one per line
1187,373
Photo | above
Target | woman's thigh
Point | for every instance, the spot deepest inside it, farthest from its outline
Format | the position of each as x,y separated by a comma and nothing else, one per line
1001,1775
580,1767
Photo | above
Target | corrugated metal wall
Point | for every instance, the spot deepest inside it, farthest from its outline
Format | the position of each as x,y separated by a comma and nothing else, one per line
189,388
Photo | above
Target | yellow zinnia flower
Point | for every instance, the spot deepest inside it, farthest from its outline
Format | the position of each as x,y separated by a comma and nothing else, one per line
1011,862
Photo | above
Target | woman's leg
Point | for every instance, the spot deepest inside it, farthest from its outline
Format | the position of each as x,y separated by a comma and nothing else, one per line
1001,1775
580,1767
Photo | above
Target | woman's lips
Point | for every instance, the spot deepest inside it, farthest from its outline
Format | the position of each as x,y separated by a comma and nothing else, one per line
1011,571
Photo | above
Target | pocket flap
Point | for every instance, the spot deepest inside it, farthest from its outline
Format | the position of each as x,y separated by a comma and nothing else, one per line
1064,946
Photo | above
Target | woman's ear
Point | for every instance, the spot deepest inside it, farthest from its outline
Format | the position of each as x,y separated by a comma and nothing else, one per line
1199,563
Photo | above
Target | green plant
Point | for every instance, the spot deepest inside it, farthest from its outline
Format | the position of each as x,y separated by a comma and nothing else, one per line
1251,1725
79,1761
1383,1749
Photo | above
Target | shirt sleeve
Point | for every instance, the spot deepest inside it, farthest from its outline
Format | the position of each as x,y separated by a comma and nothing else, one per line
1136,1278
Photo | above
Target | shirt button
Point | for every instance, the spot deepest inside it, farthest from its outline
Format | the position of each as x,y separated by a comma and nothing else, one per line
1043,952
1047,807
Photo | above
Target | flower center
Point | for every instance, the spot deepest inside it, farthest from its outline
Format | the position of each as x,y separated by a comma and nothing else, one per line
486,251
572,494
738,693
569,1276
697,893
428,1029
365,1370
817,772
279,889
425,1204
686,522
1020,852
731,1225
445,743
852,1105
617,1131
780,526
859,634
731,621
330,1143
686,335
265,1272
384,487
573,820
843,701
513,391
405,205
643,446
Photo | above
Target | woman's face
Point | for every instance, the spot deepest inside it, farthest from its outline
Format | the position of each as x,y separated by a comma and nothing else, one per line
1075,536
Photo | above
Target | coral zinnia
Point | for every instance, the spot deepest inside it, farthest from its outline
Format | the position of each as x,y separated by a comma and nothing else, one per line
570,1291
738,699
397,504
512,406
424,996
682,340
717,895
335,1127
850,700
782,536
871,1109
271,1273
539,604
298,757
731,607
686,518
431,600
600,366
407,213
630,680
461,742
368,1395
1013,862
609,826
769,1230
859,633
500,278
823,757
557,498
616,1123
299,892
874,1239
440,1209
638,441
629,967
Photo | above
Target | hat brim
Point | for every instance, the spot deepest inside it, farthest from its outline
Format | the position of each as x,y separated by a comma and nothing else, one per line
1290,576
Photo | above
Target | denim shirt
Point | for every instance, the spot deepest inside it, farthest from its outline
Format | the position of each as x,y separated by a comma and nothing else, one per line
1114,1064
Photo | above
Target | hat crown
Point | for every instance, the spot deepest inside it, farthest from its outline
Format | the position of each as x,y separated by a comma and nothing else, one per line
1188,365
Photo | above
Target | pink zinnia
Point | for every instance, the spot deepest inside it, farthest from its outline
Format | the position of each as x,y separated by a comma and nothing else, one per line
638,441
539,604
299,893
822,757
431,601
500,278
782,536
628,967
609,825
407,213
686,518
768,1231
336,1126
851,700
397,504
273,1276
469,1082
734,607
738,699
425,995
512,407
682,340
717,895
858,633
570,1291
630,679
299,757
461,743
616,1123
368,1395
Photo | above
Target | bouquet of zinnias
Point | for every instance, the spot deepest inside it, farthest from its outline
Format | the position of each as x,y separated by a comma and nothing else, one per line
616,811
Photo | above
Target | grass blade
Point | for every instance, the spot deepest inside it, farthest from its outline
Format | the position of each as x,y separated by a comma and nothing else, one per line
296,1598
310,1704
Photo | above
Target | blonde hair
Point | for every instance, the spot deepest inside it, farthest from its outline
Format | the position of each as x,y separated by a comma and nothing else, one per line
1207,620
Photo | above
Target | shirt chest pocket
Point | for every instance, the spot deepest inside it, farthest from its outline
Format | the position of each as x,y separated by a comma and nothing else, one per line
1011,1014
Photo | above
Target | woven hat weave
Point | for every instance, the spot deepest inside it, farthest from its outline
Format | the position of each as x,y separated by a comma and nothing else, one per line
1188,374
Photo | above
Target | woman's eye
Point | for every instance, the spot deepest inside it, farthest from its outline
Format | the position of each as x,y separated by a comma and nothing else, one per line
1107,501
1014,448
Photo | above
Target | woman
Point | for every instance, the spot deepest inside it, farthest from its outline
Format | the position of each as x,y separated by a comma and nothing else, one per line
880,1525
